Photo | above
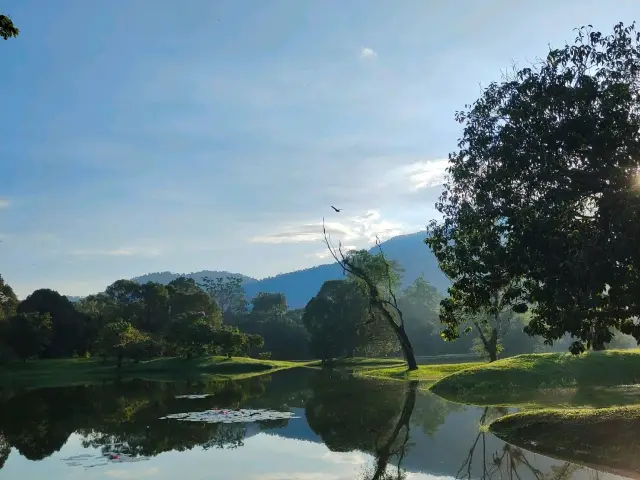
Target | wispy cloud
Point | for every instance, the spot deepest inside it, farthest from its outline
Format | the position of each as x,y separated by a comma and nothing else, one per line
4,203
358,230
119,252
367,52
425,174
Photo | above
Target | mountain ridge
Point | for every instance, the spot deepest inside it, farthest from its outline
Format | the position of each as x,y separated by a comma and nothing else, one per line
300,286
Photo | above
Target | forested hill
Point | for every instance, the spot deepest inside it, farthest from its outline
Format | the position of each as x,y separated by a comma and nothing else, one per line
299,286
408,250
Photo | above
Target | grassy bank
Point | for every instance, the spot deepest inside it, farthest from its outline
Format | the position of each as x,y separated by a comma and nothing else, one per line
46,373
605,437
425,373
396,368
520,379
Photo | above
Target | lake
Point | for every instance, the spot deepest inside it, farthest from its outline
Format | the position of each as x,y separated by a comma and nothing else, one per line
341,428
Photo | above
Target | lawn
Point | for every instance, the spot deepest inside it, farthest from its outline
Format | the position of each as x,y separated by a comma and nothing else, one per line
425,373
606,437
48,373
519,379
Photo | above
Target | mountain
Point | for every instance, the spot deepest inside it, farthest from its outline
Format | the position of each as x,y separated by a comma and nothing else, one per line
300,286
408,250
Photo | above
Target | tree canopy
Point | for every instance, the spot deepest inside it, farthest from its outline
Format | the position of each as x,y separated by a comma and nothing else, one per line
541,203
7,28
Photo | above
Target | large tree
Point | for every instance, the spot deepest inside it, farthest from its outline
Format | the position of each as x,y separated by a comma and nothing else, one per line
542,200
334,318
68,335
7,28
26,334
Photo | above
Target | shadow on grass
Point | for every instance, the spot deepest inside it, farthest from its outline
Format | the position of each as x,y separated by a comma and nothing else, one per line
606,439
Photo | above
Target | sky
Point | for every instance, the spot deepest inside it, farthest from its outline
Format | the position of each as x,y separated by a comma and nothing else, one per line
139,136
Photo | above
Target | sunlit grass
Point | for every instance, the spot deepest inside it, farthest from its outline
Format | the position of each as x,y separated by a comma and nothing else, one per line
525,378
46,373
427,373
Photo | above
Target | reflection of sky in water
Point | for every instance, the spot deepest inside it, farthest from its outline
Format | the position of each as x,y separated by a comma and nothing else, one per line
334,419
263,457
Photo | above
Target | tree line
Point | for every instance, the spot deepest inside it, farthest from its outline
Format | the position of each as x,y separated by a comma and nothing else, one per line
142,321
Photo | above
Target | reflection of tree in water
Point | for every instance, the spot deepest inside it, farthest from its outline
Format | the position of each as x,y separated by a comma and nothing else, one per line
510,462
5,450
123,416
357,414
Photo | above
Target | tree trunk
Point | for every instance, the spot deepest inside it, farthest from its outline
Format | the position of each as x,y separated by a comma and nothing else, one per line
407,349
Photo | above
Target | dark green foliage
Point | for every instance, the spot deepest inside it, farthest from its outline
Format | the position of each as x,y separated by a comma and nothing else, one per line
542,202
26,334
67,335
121,340
7,28
334,318
228,294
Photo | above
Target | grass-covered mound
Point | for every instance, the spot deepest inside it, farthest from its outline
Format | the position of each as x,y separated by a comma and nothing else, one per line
45,373
519,379
425,373
606,437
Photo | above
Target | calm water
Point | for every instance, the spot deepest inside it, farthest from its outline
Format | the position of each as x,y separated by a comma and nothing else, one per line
344,428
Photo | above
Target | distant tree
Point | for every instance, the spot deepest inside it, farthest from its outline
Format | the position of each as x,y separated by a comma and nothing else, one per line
185,297
382,300
269,304
120,339
545,182
193,333
67,323
334,318
155,316
98,310
8,300
232,341
7,28
27,334
228,294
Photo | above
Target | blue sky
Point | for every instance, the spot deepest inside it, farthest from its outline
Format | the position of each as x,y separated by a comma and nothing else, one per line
152,135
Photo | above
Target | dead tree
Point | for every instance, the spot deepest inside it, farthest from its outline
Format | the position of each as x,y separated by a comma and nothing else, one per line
387,308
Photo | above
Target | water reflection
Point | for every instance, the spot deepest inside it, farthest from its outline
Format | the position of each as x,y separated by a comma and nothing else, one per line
402,432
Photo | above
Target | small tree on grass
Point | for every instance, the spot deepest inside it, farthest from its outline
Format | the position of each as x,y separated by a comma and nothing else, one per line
120,339
27,334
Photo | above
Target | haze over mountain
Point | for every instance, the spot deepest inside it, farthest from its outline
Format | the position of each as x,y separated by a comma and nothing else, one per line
300,285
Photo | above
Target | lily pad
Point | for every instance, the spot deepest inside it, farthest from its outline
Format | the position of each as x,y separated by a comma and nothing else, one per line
218,415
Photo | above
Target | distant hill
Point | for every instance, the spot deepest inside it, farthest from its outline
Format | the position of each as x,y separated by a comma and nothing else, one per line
300,286
408,250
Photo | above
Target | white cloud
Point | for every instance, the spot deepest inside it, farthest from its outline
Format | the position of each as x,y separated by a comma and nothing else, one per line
119,252
358,231
4,203
426,174
368,53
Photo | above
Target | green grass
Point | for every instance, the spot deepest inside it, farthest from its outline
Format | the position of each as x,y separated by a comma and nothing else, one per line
425,373
525,379
605,437
48,373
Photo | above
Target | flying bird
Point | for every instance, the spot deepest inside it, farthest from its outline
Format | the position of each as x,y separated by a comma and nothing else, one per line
336,209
